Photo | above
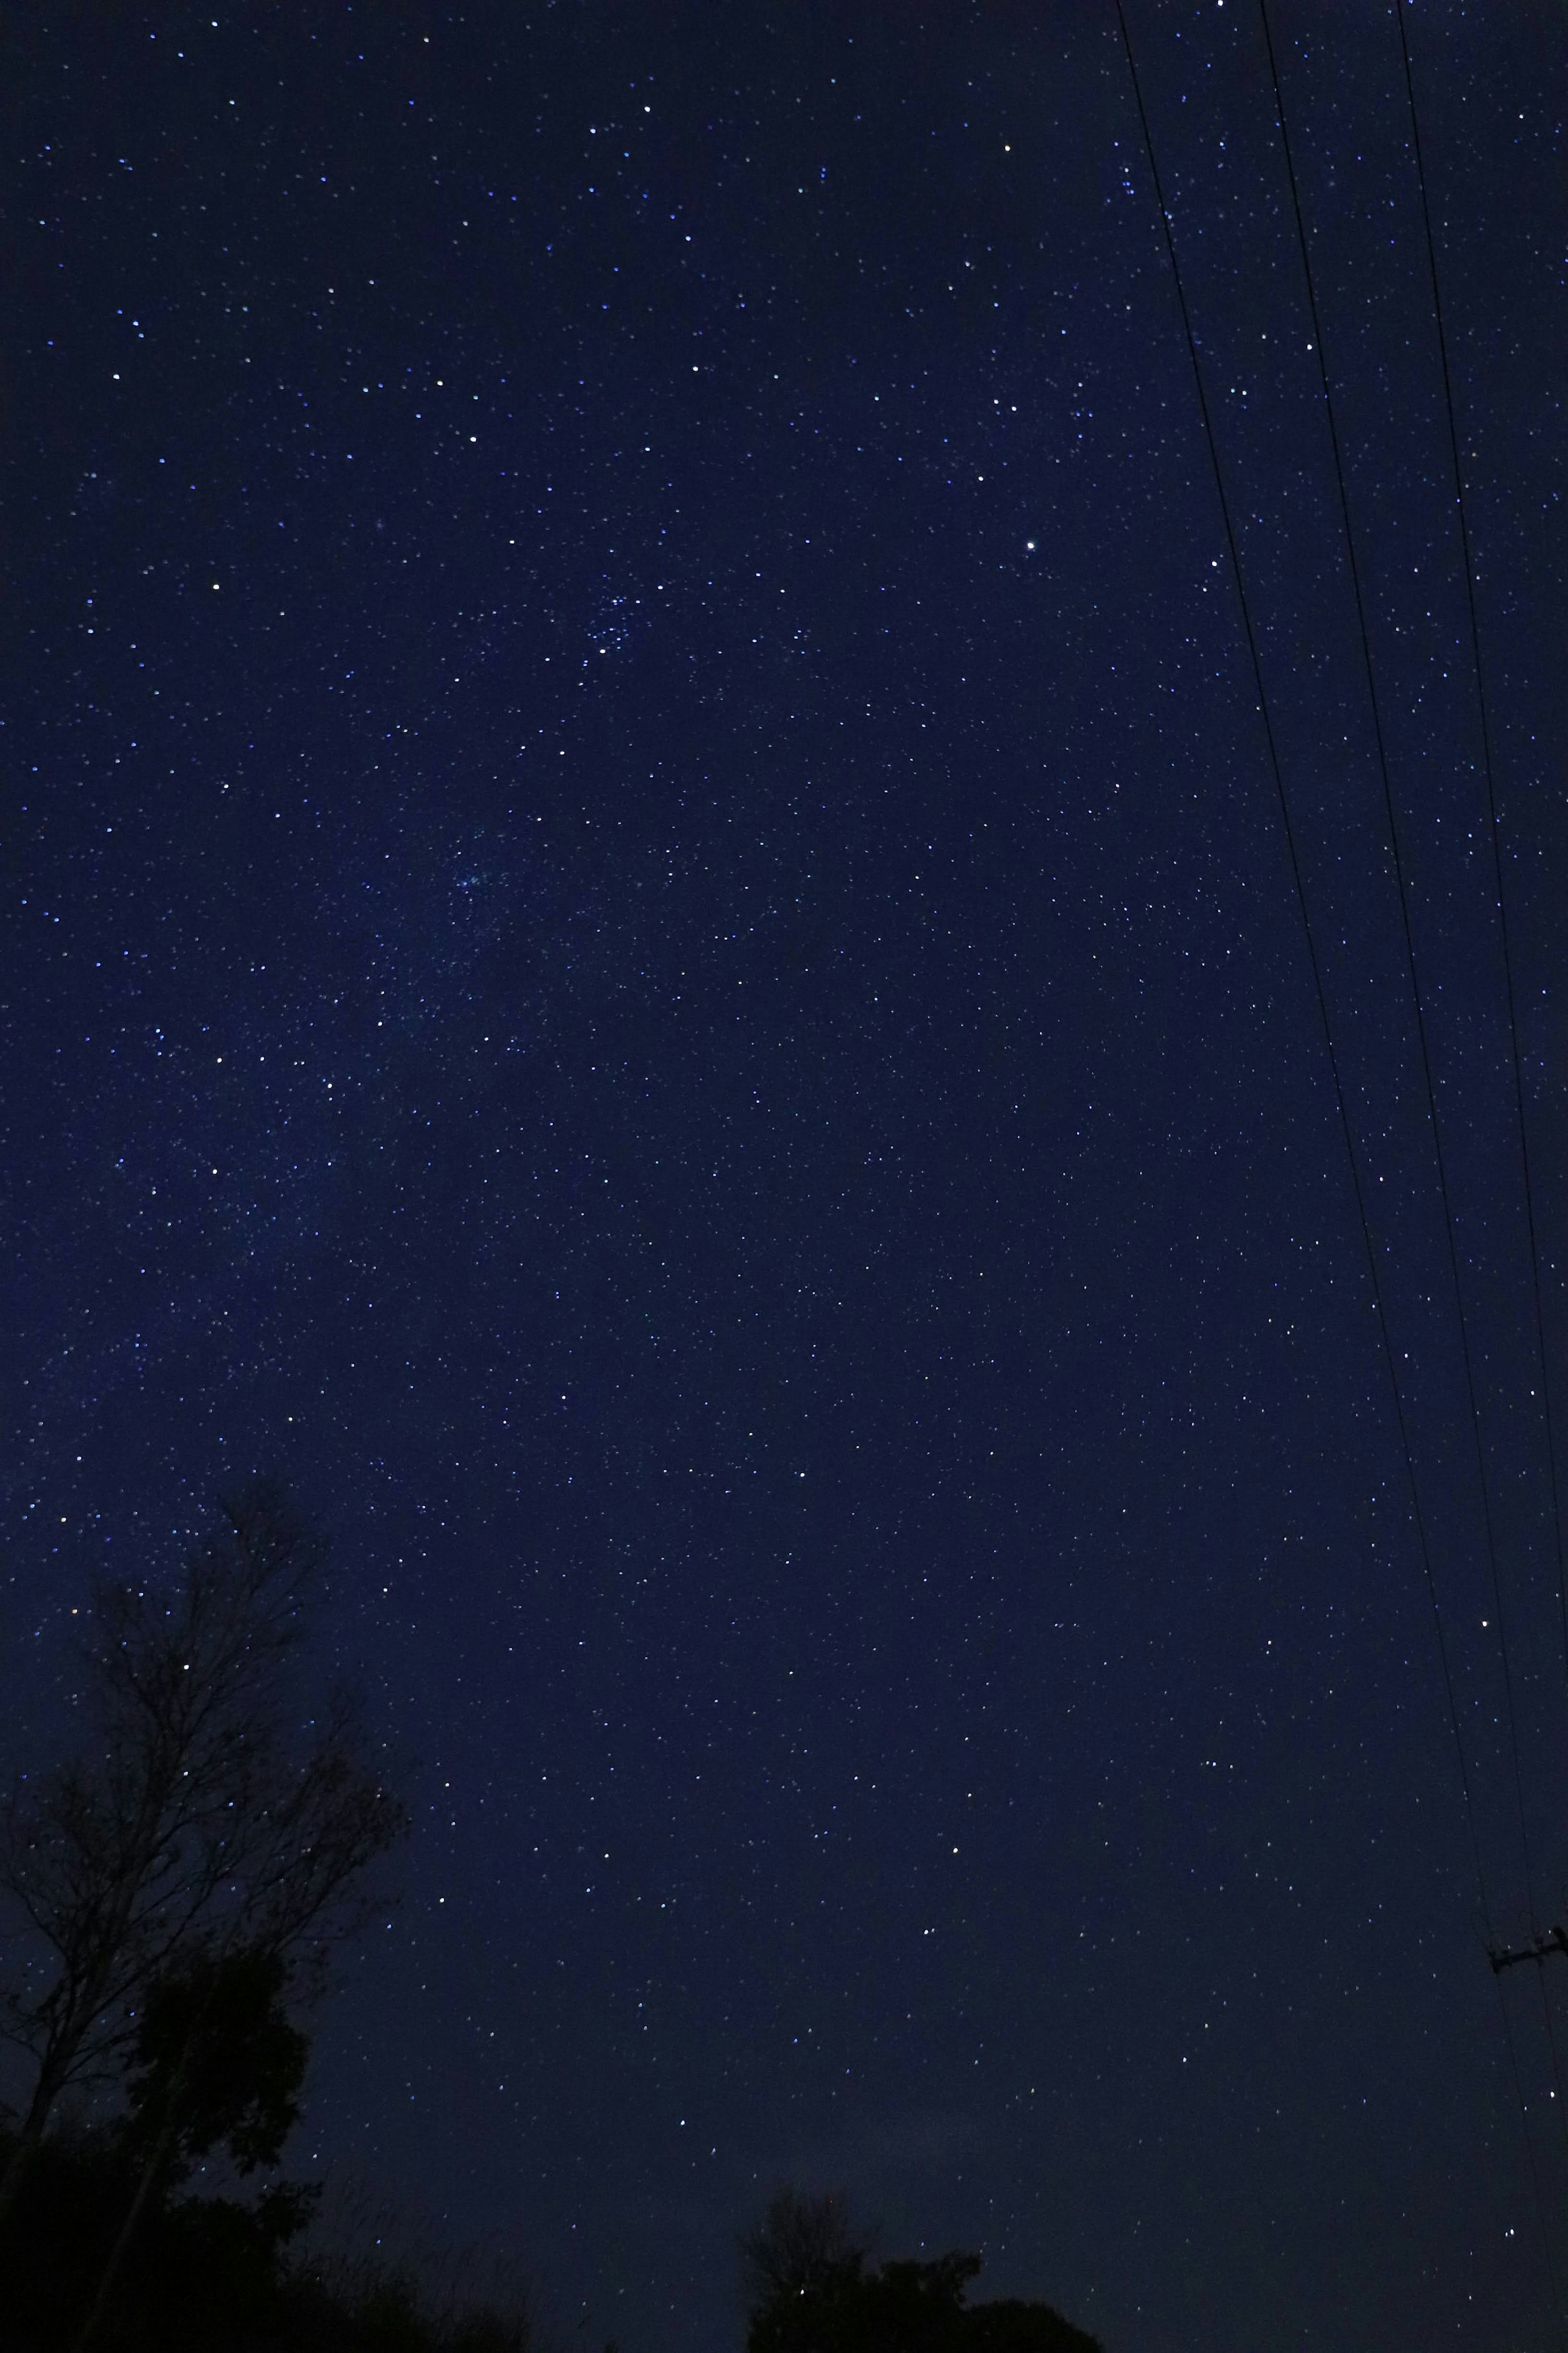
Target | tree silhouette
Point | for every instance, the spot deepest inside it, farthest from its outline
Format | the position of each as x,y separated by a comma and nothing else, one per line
187,1821
216,2059
811,2293
802,2241
211,2275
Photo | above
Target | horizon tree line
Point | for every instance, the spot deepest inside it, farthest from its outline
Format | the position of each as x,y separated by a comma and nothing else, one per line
176,1891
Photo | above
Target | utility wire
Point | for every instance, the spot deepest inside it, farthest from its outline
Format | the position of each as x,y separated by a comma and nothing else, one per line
1293,856
1494,831
1391,818
1495,1578
1494,834
1357,1188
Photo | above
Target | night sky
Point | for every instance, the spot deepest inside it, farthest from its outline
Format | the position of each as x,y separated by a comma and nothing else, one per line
647,943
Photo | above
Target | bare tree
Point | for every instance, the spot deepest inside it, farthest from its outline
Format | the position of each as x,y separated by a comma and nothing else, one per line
370,2248
190,1818
802,2241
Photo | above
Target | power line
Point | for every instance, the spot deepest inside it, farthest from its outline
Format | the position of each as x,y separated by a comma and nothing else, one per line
1493,832
1493,828
1391,818
1495,1578
1357,1189
1277,771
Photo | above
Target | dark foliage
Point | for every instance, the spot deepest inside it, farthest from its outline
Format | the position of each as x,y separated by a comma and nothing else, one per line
204,2275
905,2307
217,2058
1011,2325
200,2271
216,2061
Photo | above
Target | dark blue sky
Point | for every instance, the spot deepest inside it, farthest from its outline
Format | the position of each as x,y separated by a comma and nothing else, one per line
647,943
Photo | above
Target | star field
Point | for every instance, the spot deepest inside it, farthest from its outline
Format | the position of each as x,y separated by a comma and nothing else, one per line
648,945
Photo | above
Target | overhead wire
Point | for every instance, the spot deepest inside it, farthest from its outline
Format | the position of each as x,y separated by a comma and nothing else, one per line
1314,962
1494,836
1493,831
1357,1187
1319,349
1408,936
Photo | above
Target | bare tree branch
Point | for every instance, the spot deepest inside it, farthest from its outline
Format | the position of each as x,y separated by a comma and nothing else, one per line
802,2240
190,1818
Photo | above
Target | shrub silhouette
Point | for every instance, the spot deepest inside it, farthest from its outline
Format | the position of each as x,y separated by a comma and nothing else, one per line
208,2274
831,2302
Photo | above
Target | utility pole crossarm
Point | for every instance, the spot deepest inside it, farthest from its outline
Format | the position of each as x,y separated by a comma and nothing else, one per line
1550,1940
